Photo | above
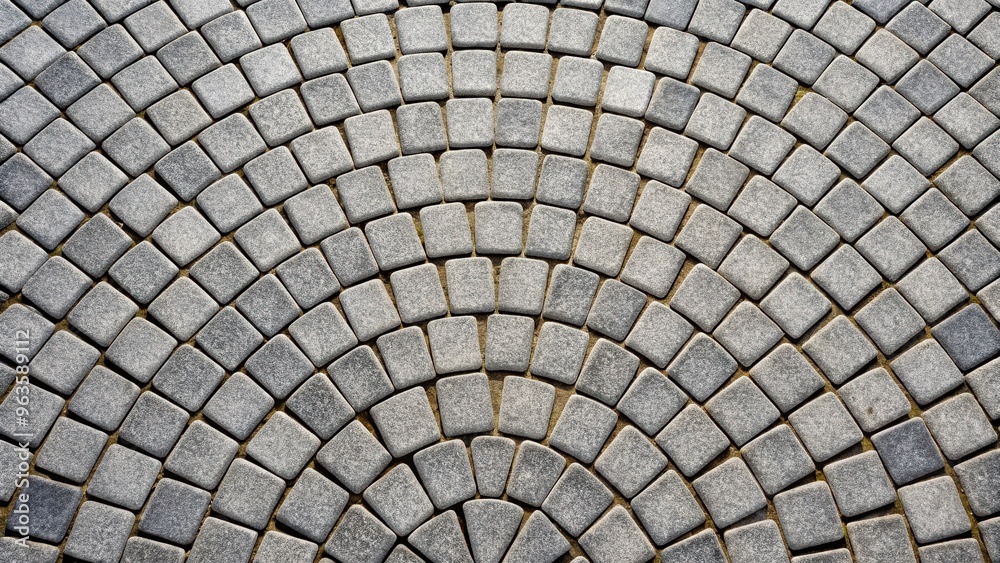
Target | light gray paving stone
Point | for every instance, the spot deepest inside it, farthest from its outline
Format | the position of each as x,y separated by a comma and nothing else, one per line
550,232
524,27
154,424
825,426
796,305
616,139
762,145
714,121
602,246
805,57
442,537
975,476
248,494
672,103
967,120
26,112
525,74
919,27
907,451
652,267
570,294
701,367
56,286
934,509
188,378
573,31
406,357
313,505
815,120
760,541
692,440
142,549
804,239
651,401
982,383
371,137
762,206
276,20
671,51
509,340
319,52
535,470
268,305
187,170
202,455
283,446
492,456
932,289
538,539
874,399
562,181
360,536
566,130
454,344
446,230
414,181
716,179
611,193
499,226
887,55
742,410
807,175
704,297
238,406
70,450
808,516
361,378
63,362
99,112
446,473
329,99
577,81
881,539
753,267
280,547
972,259
761,35
423,77
418,293
491,524
474,72
721,70
50,219
522,283
577,499
473,26
777,459
607,372
959,426
470,123
729,492
890,321
559,353
658,334
667,509
708,235
927,87
102,313
394,241
354,457
860,484
174,511
405,422
399,500
144,82
582,428
703,546
110,50
99,531
231,36
178,117
967,549
464,404
318,14
518,122
630,462
104,398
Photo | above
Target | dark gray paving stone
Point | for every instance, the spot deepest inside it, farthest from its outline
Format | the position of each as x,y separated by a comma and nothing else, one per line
394,241
446,473
570,294
62,362
104,398
972,259
753,267
446,230
283,446
742,410
615,309
703,546
652,267
701,367
454,344
99,531
414,181
934,509
174,512
354,457
975,476
708,235
70,450
760,541
666,156
350,256
808,516
277,547
525,407
692,440
908,451
874,399
667,509
360,536
110,50
361,378
221,538
399,499
50,219
761,35
492,456
966,120
188,378
371,138
881,539
329,99
522,286
840,349
144,82
202,455
967,549
248,494
491,524
406,357
268,306
777,459
704,297
890,321
441,538
538,540
860,484
616,537
313,505
982,381
319,404
53,503
238,406
535,470
26,112
729,492
142,549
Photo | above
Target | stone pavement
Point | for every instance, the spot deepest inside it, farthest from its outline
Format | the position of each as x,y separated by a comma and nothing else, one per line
620,281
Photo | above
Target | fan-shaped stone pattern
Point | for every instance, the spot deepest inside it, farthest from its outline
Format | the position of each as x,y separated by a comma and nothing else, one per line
313,280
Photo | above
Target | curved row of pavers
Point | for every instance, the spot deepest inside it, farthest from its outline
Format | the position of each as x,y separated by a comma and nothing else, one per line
352,147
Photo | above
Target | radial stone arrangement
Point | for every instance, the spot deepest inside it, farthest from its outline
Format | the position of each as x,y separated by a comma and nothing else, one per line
689,281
